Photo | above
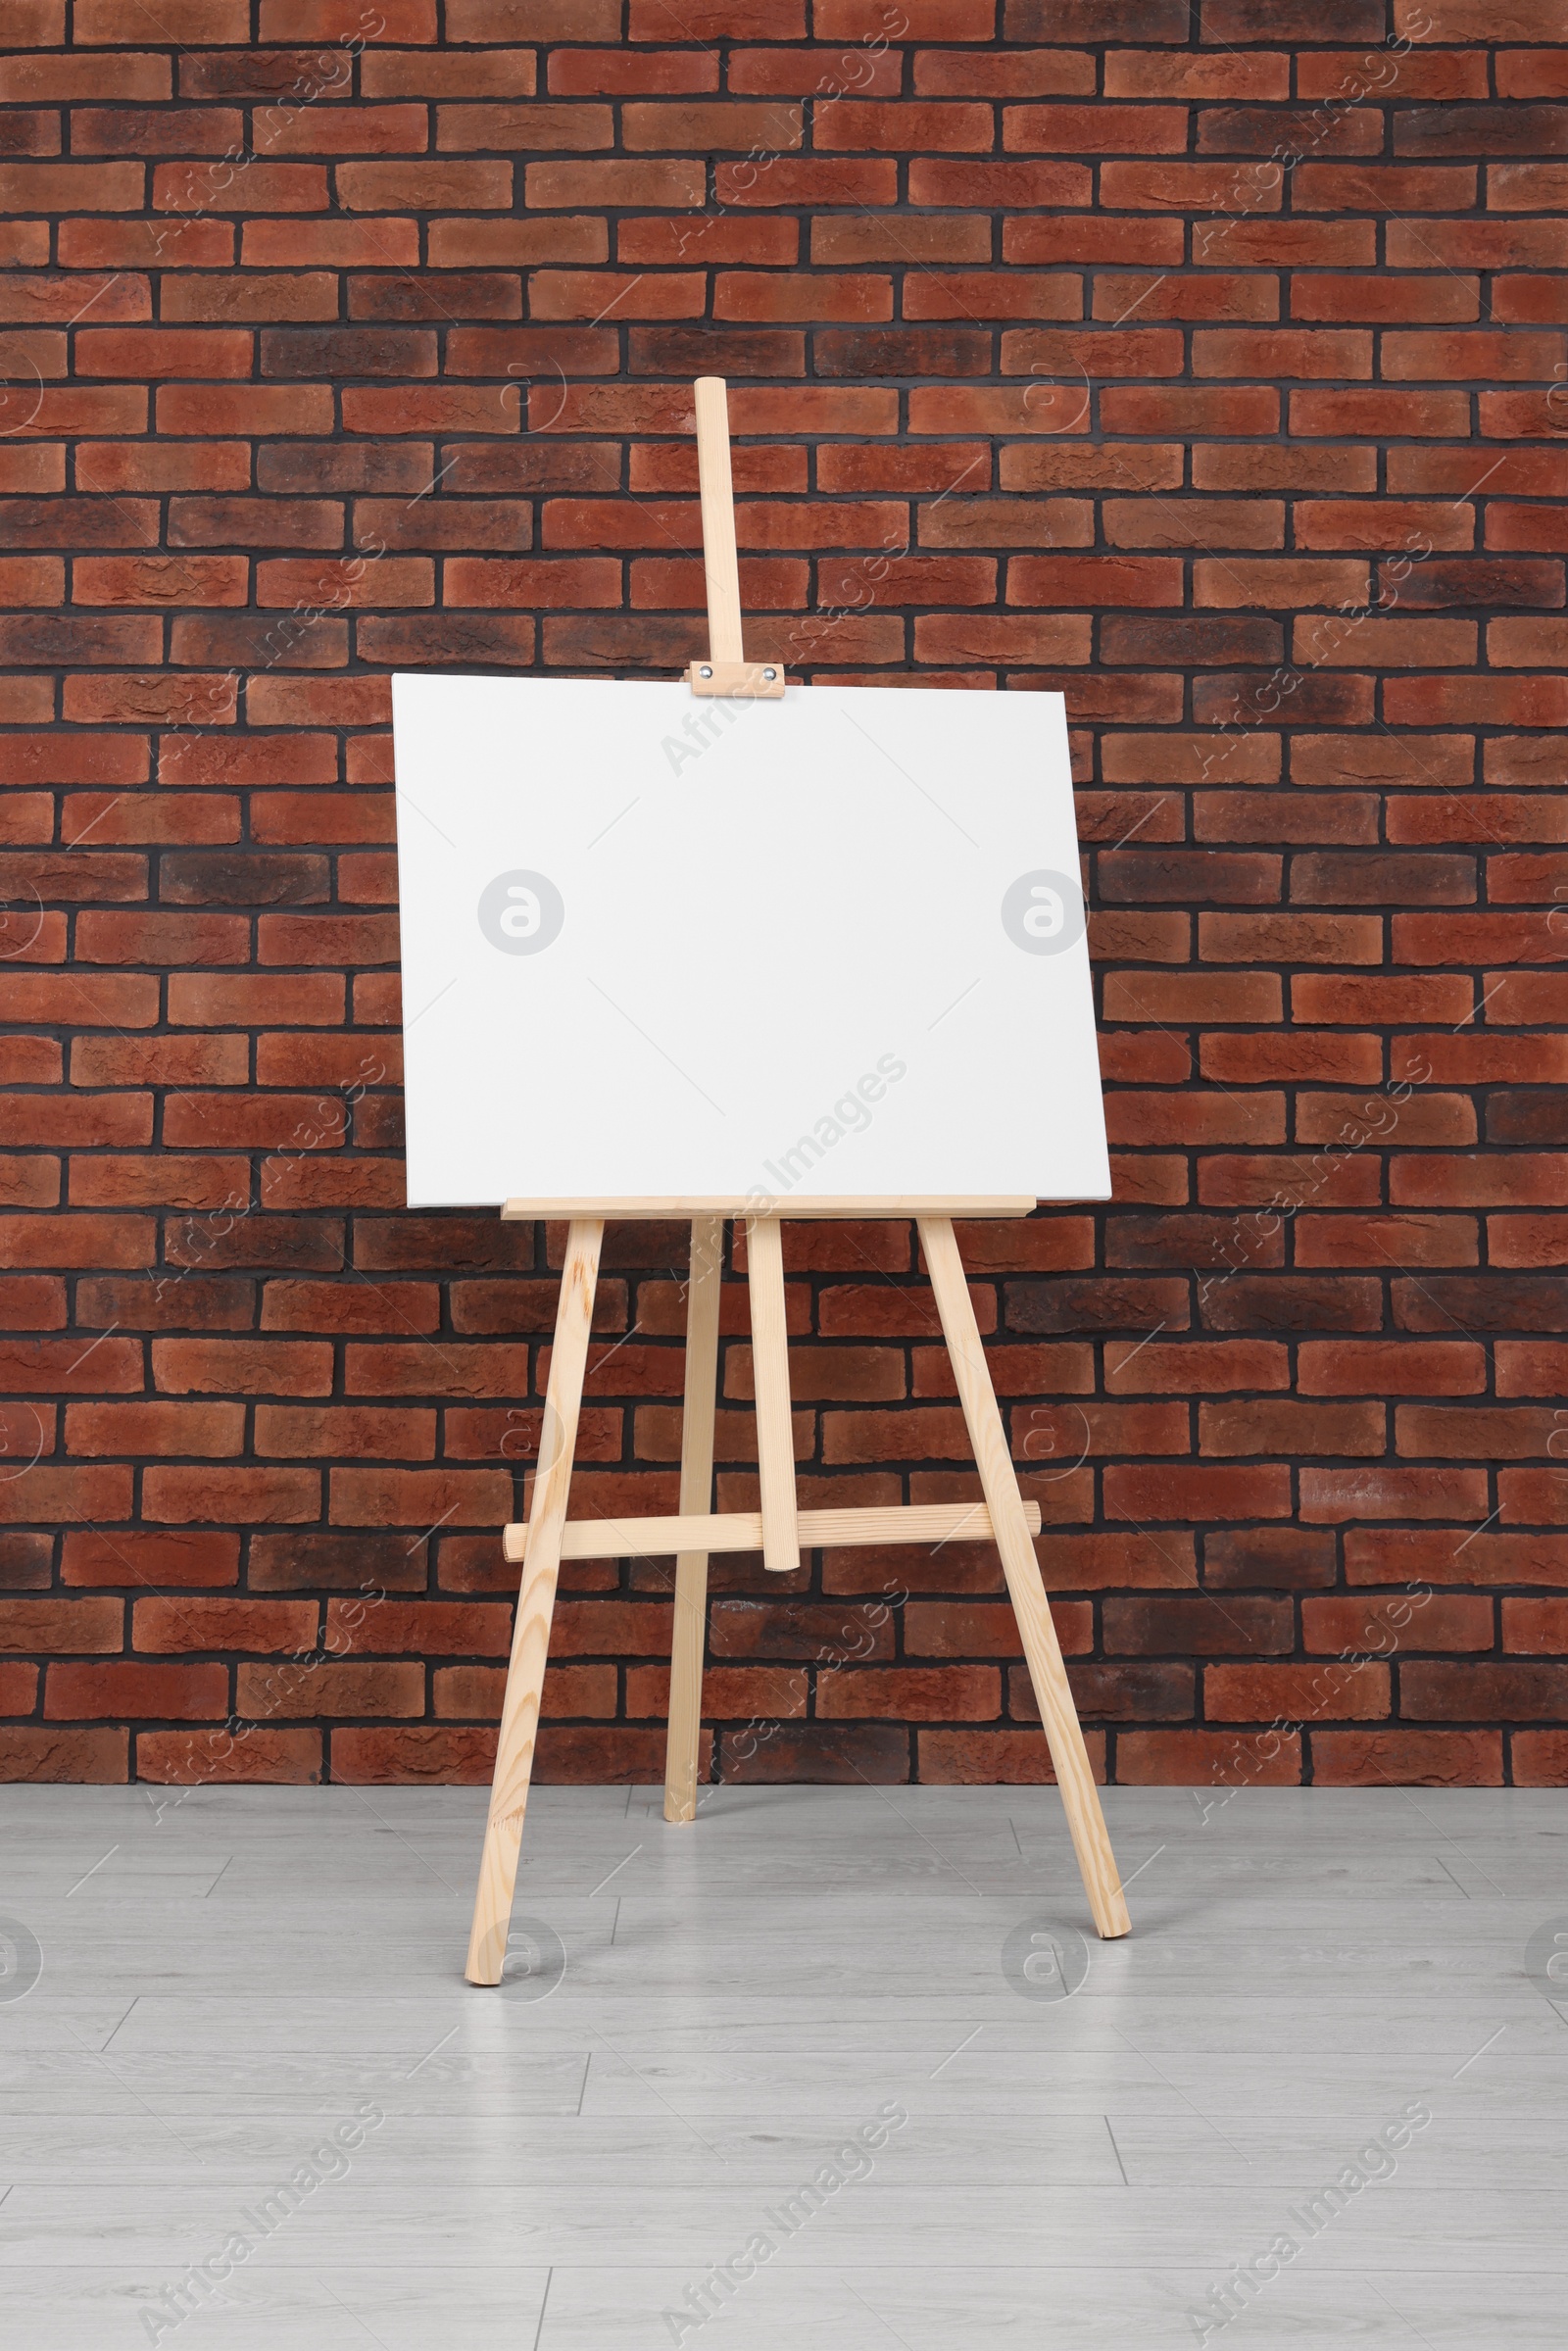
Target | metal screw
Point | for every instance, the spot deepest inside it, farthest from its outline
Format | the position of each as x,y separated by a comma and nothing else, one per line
702,669
770,674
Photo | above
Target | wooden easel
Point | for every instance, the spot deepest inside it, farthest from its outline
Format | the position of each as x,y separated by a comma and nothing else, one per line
778,1529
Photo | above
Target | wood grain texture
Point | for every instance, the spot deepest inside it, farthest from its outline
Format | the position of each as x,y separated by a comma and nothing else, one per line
770,1363
519,1713
696,1492
721,565
742,1530
1025,1589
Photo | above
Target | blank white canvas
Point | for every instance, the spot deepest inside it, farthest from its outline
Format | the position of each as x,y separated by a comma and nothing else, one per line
659,945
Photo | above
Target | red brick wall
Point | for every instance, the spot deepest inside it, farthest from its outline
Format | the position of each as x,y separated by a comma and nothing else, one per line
1160,355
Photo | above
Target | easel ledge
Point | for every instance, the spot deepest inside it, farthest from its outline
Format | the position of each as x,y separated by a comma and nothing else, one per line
747,1207
780,1530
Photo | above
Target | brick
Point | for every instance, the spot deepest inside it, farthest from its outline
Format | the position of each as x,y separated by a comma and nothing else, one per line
1383,187
1455,1621
1282,351
1065,237
60,76
19,1688
1331,1496
1254,242
1512,130
1098,579
1408,1758
719,126
1093,129
1540,1759
560,186
1529,1626
1378,1239
978,294
1376,1367
127,1687
1207,1759
610,72
1238,21
330,244
1340,1691
40,1753
1216,296
1423,74
198,189
1492,354
174,1628
1531,73
1298,130
252,1754
224,409
841,181
43,187
327,1687
75,1627
395,187
730,20
479,294
1287,582
192,243
1396,299
1473,244
1148,410
182,1495
1194,187
421,1756
1445,1692
708,241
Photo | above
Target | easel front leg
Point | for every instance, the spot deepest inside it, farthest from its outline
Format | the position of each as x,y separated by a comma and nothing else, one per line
1000,1482
695,1494
519,1713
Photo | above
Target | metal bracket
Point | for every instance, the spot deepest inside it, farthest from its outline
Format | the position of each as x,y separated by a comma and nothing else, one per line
744,681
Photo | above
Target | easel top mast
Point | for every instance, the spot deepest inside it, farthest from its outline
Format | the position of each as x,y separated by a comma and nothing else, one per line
727,670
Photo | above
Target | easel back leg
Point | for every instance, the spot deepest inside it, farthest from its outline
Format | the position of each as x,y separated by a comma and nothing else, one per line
770,1367
695,1497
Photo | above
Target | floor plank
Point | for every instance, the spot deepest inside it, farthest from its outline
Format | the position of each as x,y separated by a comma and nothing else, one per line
717,2012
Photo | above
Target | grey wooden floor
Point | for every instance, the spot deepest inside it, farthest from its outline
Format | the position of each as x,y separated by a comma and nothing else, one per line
229,1974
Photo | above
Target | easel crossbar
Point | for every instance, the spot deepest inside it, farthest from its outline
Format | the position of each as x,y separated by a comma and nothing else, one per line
742,1531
